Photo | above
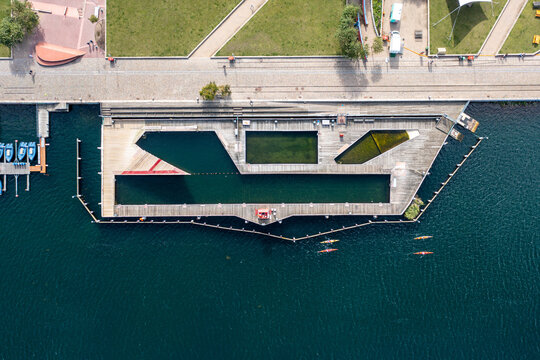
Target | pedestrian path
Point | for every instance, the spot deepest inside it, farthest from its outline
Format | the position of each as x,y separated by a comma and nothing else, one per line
226,30
503,26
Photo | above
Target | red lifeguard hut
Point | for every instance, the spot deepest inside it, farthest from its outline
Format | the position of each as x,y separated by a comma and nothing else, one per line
263,214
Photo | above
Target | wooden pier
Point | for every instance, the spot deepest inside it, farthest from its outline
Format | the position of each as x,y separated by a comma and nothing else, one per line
407,164
268,234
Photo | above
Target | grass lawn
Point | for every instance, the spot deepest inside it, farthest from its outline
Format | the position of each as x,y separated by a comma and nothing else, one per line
161,28
520,39
4,11
280,147
289,27
472,26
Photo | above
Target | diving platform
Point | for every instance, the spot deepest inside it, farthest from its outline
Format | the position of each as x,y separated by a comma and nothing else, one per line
337,127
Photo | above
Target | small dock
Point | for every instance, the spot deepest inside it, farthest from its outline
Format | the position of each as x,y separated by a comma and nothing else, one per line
42,158
17,169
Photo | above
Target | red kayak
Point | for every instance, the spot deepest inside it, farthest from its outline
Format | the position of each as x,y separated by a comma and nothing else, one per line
423,253
327,250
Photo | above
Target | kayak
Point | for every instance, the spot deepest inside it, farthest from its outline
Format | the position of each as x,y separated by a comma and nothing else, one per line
327,250
423,237
329,241
423,253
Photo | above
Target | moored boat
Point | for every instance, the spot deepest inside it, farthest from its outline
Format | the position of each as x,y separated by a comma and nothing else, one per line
327,250
329,241
1,150
31,151
8,152
423,253
0,187
423,237
21,152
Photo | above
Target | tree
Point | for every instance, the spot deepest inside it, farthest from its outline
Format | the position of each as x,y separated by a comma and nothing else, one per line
225,90
208,92
211,90
23,14
347,34
23,20
11,32
377,46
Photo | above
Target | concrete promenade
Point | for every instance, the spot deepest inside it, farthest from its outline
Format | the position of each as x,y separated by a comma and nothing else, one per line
93,80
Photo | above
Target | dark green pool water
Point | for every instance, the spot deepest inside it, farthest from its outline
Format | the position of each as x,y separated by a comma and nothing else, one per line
281,147
371,145
215,178
76,290
236,189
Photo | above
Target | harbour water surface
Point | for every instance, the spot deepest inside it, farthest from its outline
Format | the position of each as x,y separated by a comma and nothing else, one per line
72,289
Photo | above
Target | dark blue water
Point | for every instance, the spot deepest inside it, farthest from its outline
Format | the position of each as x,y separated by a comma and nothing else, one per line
72,289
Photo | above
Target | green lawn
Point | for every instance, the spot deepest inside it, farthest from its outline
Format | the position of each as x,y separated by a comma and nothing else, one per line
520,39
161,28
289,27
281,147
4,11
472,26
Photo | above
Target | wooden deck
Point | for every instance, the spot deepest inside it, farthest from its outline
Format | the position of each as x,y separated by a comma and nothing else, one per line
407,164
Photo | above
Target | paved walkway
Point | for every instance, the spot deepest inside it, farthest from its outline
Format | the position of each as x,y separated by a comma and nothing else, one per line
93,80
228,28
503,27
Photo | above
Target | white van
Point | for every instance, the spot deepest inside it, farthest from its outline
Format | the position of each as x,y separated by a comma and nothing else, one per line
395,14
395,43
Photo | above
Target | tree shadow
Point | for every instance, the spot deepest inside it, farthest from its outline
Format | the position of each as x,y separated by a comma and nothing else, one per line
467,19
27,46
376,74
352,73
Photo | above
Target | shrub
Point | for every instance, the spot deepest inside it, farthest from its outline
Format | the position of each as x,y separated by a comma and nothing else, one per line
376,7
93,18
208,92
414,209
225,90
211,90
377,46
